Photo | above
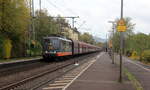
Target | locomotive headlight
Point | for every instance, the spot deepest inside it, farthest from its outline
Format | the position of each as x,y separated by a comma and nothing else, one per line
46,51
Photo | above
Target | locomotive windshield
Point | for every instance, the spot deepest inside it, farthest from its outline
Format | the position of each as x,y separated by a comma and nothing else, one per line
51,44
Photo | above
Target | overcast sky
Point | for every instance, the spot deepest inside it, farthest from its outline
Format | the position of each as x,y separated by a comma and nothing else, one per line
97,13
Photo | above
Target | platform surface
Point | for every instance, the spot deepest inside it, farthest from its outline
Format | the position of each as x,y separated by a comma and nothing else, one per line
102,75
140,71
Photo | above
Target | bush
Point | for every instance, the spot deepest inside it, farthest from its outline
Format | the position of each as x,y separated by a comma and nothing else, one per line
134,55
36,49
7,47
1,48
146,56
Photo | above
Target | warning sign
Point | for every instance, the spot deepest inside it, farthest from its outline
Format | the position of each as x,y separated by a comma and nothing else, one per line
110,44
121,22
121,28
121,25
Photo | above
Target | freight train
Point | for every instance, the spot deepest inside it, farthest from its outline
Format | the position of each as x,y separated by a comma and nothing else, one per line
54,47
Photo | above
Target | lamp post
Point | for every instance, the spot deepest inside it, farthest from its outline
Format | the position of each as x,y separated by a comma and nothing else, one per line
113,28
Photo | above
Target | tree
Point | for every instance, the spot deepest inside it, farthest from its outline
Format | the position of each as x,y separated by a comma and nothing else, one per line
45,25
100,44
86,37
128,33
14,21
139,43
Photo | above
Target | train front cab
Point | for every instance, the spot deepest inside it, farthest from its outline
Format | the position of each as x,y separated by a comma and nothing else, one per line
56,47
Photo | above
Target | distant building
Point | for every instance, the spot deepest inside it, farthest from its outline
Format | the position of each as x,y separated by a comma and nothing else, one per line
71,33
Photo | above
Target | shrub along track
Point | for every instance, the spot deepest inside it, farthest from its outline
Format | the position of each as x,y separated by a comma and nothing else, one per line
34,74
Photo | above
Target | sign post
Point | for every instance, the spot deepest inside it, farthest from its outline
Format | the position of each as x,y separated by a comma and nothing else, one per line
121,27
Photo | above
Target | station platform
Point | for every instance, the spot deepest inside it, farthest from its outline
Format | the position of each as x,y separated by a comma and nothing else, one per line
101,75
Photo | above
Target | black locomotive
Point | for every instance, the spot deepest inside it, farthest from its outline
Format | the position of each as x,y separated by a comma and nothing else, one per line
54,46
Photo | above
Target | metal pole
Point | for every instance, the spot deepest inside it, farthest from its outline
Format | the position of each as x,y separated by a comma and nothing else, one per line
33,27
73,22
113,28
106,44
113,57
40,4
3,13
121,44
39,18
30,28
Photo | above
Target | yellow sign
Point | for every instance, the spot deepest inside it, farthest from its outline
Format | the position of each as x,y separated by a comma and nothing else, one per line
121,26
121,22
110,44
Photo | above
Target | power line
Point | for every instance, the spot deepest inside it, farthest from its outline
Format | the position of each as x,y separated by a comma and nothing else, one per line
67,9
55,6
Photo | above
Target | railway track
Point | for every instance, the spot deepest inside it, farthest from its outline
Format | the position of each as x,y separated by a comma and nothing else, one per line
35,77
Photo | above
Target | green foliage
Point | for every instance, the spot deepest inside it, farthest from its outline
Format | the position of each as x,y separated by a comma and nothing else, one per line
7,47
116,41
15,23
14,17
132,42
138,42
129,32
133,80
36,50
86,37
100,44
1,46
146,56
45,25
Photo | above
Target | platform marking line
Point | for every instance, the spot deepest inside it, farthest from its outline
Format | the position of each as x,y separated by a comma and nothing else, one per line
91,63
75,73
58,84
71,74
62,81
138,65
68,76
68,79
48,88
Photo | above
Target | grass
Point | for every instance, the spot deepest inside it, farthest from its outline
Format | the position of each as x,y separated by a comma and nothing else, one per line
133,80
17,59
137,58
131,77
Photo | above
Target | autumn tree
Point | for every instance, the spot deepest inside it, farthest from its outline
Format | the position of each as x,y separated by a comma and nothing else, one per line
14,17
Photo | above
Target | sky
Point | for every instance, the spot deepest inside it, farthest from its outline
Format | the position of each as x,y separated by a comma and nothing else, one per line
95,14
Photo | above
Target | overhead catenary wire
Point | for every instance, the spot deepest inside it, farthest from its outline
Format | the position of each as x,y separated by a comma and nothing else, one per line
69,9
62,11
49,2
72,12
